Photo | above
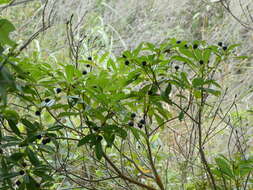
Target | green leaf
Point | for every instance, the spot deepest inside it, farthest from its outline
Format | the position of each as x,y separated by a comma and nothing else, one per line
103,57
29,126
32,157
17,156
66,114
114,130
137,50
55,128
167,90
181,115
224,166
31,183
109,138
197,82
137,133
207,54
11,115
87,139
99,150
212,82
233,46
185,79
69,71
4,1
9,176
187,53
212,91
183,60
13,127
6,28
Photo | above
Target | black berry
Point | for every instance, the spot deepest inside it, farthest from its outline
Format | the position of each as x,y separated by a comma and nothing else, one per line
133,115
186,46
195,46
144,63
224,48
45,141
84,72
178,42
130,123
201,62
142,121
58,90
39,136
90,58
220,44
47,100
88,65
100,138
18,183
176,67
150,92
126,62
21,172
37,113
140,125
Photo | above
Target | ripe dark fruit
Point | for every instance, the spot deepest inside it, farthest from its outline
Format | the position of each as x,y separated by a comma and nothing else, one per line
47,100
37,113
133,115
90,58
186,46
176,67
45,141
126,62
144,63
88,65
39,136
201,62
178,42
140,125
18,183
220,44
58,90
224,48
195,46
100,138
150,92
130,123
84,72
22,172
142,121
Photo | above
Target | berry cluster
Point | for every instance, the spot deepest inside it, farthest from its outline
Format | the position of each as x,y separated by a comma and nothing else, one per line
140,123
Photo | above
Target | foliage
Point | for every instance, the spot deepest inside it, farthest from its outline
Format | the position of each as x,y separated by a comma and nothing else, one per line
108,111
